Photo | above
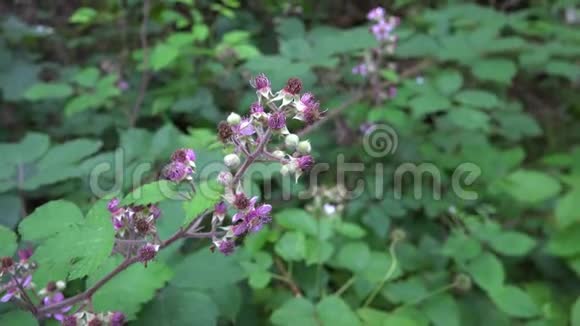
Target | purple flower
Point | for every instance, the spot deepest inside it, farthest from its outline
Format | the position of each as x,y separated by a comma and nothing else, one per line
122,85
148,252
225,131
177,171
53,298
241,201
382,30
113,205
260,82
305,162
256,108
311,114
227,247
220,208
308,100
377,13
240,228
392,91
244,128
117,319
224,178
293,86
183,155
13,288
154,211
25,254
360,69
277,120
257,217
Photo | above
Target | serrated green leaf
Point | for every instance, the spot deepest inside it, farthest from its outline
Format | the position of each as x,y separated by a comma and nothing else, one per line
49,219
29,149
477,98
354,256
163,55
531,186
292,246
442,310
428,103
575,313
153,192
498,70
350,230
332,310
48,91
18,318
206,270
449,81
512,243
130,289
208,193
296,311
8,241
318,251
566,209
69,152
83,15
565,242
297,220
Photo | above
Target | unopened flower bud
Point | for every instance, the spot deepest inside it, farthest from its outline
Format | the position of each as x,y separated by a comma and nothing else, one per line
462,282
234,119
7,262
277,120
69,321
148,252
225,132
225,178
291,141
232,161
279,154
95,322
226,247
113,205
398,235
60,285
304,147
241,201
117,319
293,86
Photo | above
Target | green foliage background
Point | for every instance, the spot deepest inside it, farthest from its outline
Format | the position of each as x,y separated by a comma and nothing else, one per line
492,83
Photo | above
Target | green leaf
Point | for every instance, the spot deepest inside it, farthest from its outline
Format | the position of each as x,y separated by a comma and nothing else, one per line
487,272
498,70
83,15
69,152
449,81
77,250
87,77
514,302
8,241
442,310
129,289
29,149
566,209
206,270
350,230
318,251
298,220
208,193
461,247
296,311
153,192
48,91
469,118
406,291
50,219
18,318
512,243
378,266
333,311
428,103
565,242
163,55
174,306
354,256
477,98
575,313
292,246
531,186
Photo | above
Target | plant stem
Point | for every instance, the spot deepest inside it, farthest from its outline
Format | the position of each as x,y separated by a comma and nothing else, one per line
345,286
387,276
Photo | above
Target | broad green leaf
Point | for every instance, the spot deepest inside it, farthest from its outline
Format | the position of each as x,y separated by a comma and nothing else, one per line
354,256
379,266
298,220
350,230
129,289
449,81
477,98
206,270
18,318
296,311
461,247
29,149
174,306
565,242
163,55
512,243
372,317
514,302
49,219
318,251
206,196
406,291
11,208
487,272
292,246
333,311
428,103
48,91
498,70
83,15
566,209
531,186
87,77
76,250
469,118
442,310
69,152
228,300
153,192
8,241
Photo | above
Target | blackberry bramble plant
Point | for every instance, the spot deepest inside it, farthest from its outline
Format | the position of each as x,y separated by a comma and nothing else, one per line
119,236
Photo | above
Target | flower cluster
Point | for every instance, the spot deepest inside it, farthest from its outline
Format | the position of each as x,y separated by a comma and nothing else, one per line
248,138
181,167
52,294
92,319
382,28
135,229
17,274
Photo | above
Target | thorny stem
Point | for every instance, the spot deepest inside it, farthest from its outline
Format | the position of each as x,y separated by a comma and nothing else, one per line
87,294
252,157
25,296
